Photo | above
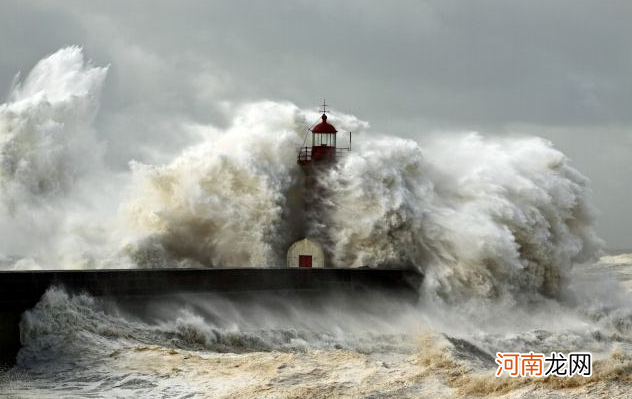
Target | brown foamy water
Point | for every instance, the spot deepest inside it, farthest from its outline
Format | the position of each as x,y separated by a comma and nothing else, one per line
78,347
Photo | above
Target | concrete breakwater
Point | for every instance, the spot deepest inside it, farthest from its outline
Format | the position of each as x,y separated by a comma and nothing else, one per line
21,290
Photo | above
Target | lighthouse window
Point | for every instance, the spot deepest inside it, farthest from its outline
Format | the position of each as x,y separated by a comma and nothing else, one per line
325,139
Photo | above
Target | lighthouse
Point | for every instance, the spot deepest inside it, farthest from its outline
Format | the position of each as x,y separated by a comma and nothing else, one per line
314,159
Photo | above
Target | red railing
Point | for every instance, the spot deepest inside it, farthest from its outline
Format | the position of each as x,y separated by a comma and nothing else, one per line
305,153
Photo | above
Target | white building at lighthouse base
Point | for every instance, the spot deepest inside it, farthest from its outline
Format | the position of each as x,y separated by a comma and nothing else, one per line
305,253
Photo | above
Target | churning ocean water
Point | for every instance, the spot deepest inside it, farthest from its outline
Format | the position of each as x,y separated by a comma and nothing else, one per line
343,346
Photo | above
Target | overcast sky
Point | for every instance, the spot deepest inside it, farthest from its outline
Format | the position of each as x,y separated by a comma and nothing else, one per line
557,69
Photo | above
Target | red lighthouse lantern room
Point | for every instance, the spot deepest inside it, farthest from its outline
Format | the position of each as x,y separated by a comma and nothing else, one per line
323,149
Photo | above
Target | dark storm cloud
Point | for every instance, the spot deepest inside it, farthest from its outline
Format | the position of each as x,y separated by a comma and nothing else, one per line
558,69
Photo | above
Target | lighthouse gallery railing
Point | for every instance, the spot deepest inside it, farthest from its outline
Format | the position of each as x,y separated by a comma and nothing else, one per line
305,154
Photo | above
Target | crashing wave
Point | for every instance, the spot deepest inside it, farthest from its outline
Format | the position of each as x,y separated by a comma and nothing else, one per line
483,217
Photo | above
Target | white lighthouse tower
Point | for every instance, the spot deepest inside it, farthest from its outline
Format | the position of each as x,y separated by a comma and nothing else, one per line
313,159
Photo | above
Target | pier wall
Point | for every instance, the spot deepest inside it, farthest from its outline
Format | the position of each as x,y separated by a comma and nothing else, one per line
21,290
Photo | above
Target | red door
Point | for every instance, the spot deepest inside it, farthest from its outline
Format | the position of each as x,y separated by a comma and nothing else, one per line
305,261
